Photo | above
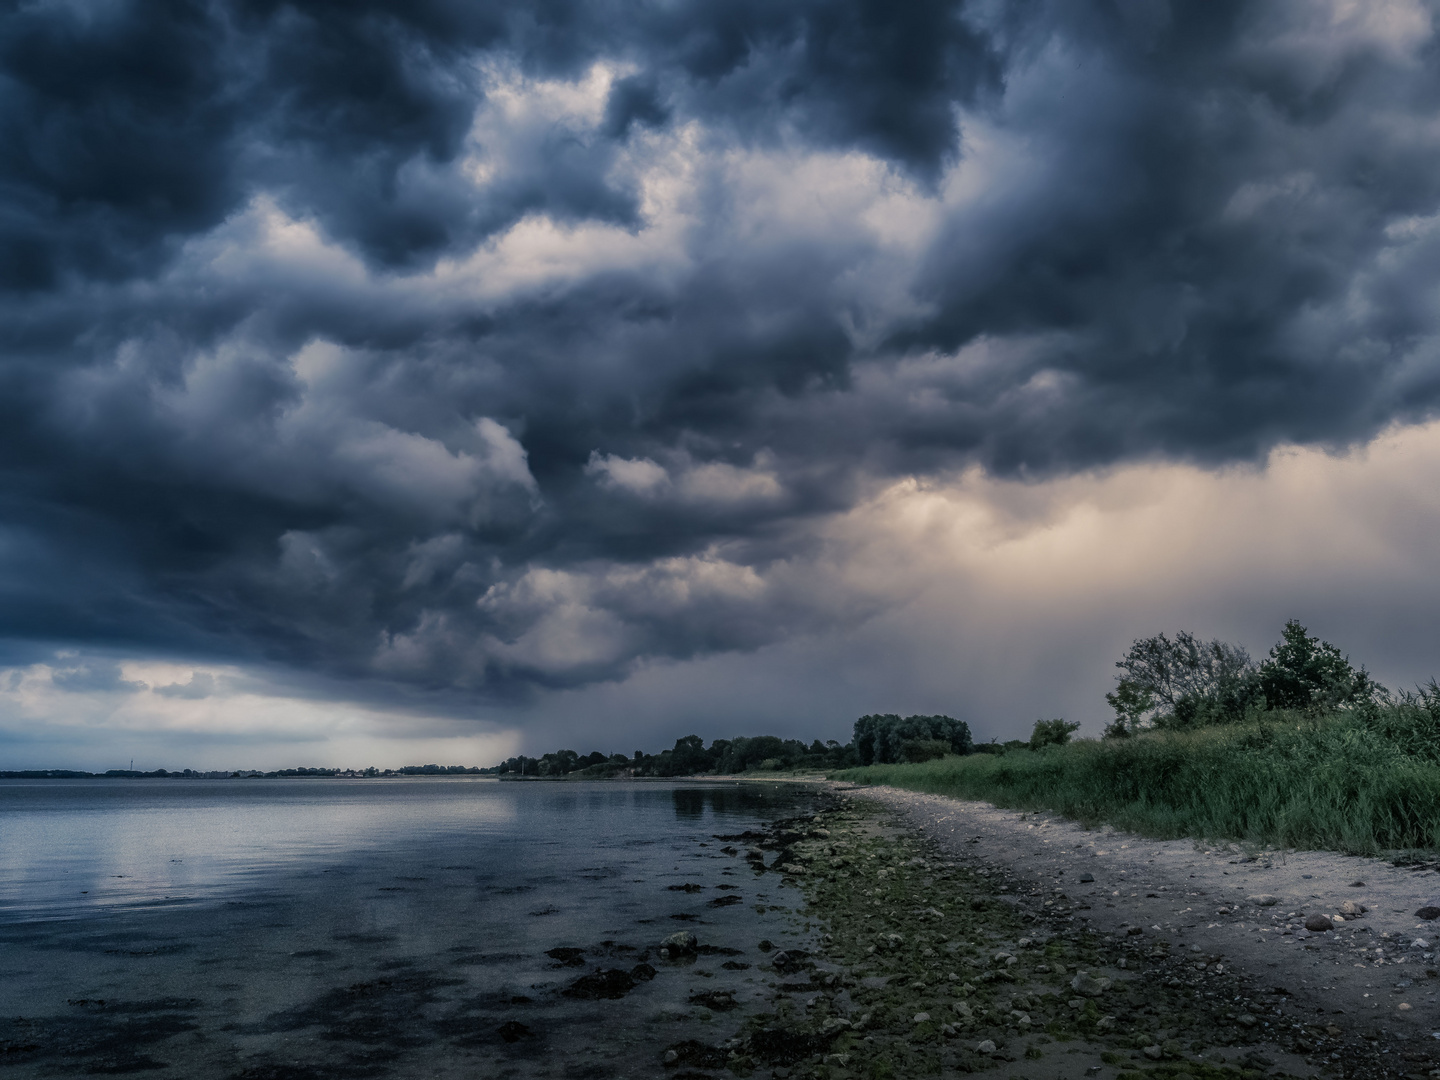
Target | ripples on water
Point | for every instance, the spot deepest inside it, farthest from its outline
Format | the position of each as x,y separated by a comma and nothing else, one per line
296,889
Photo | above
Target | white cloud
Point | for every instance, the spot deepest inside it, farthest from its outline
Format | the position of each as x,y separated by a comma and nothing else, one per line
174,716
639,476
713,483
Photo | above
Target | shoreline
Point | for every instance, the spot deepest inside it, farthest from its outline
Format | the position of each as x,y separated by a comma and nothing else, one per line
1170,920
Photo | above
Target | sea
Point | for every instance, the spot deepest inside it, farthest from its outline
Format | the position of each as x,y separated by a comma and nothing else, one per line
270,929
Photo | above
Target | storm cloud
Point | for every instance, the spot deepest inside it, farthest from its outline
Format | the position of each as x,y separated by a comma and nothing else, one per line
491,349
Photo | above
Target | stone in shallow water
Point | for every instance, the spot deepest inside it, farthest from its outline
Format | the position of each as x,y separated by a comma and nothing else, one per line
611,983
683,943
513,1031
716,1000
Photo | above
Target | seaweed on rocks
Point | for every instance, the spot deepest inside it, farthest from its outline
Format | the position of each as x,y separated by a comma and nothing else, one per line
694,1053
928,964
610,983
513,1031
784,1046
717,950
715,1000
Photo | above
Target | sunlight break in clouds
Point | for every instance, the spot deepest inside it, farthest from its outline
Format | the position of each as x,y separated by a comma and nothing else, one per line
101,712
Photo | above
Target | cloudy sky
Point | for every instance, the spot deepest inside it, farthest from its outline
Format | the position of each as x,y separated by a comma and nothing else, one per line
384,383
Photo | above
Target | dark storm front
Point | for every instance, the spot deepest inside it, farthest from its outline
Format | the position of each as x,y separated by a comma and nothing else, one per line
257,929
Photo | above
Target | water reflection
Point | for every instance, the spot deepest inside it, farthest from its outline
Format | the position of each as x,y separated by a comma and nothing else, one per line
730,800
71,846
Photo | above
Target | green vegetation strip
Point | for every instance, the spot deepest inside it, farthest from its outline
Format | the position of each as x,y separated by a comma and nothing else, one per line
1363,782
951,968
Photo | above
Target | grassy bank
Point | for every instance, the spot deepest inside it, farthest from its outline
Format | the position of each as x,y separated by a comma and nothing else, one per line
1359,783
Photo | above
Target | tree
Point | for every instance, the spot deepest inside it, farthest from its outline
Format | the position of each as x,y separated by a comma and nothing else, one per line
690,756
1055,732
1180,683
1303,672
880,738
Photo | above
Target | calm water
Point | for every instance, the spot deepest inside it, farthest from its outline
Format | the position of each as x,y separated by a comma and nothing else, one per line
245,914
71,847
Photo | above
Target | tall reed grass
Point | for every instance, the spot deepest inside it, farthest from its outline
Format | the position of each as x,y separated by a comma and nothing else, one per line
1355,782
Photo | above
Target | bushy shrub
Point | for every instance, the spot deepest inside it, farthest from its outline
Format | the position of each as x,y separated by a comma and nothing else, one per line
1051,733
1303,672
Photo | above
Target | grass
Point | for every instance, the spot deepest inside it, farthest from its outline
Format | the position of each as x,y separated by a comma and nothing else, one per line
1363,783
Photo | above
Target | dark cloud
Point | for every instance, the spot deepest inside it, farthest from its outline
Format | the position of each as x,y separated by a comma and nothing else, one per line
92,675
480,347
197,687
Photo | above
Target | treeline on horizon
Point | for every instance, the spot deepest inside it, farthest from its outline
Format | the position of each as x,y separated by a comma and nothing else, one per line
1166,685
878,739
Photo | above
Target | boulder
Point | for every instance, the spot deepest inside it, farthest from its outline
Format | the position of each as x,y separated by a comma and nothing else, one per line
1318,923
1429,911
1262,900
1088,985
682,943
